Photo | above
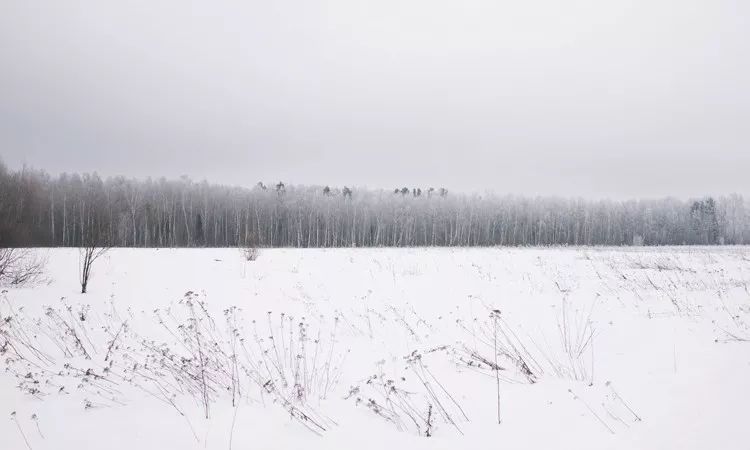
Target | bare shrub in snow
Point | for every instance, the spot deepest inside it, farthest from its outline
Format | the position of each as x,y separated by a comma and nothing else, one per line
417,404
195,360
20,266
503,353
576,338
498,351
284,366
87,256
250,253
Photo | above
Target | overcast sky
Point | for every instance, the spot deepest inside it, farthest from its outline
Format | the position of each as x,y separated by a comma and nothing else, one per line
575,97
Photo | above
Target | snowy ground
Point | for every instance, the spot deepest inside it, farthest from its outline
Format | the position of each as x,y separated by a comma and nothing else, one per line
591,348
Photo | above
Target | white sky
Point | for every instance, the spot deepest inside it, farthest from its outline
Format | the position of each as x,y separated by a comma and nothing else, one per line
577,97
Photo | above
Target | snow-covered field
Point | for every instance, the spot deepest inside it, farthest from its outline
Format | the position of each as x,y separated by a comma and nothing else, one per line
581,348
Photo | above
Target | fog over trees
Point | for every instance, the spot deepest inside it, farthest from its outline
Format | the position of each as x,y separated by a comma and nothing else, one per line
37,209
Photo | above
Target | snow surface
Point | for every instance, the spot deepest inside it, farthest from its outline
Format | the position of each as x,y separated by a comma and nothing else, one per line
656,354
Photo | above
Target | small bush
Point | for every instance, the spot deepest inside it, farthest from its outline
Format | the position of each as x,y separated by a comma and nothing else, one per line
20,266
250,253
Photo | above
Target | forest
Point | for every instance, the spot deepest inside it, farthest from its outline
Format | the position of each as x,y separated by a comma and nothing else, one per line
73,210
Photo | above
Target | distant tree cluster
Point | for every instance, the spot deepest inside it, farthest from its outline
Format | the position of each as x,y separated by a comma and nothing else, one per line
84,210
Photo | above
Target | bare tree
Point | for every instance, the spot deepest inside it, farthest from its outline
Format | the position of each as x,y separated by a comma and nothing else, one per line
37,209
87,256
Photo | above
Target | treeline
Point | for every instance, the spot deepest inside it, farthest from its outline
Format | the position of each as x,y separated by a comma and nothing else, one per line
37,209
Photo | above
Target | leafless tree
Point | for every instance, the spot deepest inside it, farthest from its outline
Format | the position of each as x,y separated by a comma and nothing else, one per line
37,209
87,256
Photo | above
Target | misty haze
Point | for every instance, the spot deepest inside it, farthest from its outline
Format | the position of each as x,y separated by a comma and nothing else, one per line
371,224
